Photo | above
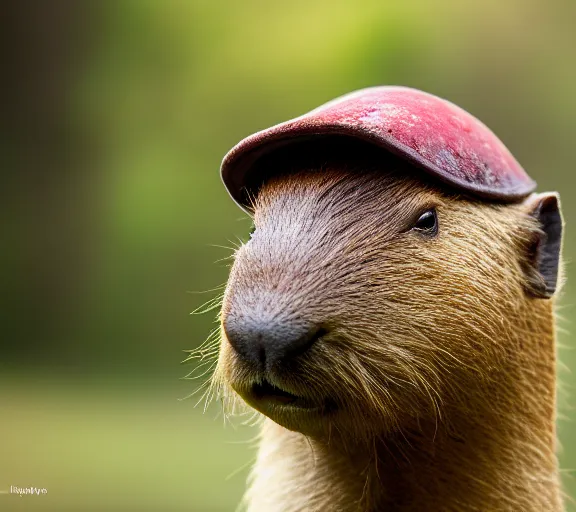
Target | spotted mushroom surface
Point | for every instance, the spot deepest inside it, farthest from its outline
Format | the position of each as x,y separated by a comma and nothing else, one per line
430,132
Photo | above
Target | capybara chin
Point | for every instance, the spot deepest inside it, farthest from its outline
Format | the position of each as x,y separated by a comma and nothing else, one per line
391,317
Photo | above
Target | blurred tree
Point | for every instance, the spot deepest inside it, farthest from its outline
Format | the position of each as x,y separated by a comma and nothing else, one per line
47,178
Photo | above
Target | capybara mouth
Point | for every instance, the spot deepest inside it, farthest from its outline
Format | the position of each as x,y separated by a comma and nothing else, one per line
266,392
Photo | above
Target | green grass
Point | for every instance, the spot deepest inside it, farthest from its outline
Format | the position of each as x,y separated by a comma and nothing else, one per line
103,448
101,445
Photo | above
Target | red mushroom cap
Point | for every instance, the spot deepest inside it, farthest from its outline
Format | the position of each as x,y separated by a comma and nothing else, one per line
431,133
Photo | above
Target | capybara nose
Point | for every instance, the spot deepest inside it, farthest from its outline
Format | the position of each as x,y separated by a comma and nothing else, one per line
265,342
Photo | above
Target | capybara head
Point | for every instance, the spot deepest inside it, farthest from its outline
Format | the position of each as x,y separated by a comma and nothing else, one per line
371,298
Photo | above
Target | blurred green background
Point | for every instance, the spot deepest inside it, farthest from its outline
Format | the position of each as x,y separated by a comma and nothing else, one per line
115,116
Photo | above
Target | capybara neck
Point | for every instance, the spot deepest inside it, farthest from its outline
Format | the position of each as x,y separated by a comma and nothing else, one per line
495,451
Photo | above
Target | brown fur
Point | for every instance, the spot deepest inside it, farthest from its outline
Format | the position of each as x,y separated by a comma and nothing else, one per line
439,365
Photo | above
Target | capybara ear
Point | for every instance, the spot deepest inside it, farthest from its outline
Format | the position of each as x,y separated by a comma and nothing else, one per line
545,244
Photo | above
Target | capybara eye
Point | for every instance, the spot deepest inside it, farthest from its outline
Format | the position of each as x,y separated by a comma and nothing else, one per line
427,223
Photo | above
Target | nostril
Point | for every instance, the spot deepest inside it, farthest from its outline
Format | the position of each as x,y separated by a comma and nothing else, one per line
289,344
320,332
306,341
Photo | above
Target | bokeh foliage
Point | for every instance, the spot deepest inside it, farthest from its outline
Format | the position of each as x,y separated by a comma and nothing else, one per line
118,116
